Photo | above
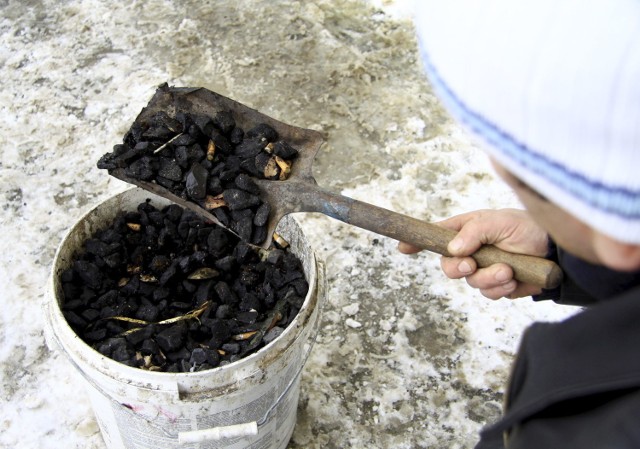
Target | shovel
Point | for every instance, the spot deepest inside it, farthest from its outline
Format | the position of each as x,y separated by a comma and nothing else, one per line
301,193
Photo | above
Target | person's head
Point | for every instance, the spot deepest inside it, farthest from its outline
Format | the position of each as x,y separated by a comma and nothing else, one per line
552,88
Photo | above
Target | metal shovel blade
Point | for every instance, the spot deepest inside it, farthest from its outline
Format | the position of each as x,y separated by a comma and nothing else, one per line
300,192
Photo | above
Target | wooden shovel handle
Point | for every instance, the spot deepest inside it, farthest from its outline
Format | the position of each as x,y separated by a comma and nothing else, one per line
528,269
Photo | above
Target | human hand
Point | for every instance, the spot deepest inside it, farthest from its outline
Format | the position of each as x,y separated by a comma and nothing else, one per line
511,230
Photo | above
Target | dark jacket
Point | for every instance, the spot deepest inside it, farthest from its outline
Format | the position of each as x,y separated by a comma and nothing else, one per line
576,383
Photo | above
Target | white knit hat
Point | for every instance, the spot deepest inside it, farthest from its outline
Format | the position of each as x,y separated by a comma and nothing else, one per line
553,87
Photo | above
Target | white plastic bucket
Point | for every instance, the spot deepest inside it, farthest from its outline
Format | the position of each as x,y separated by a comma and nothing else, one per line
250,403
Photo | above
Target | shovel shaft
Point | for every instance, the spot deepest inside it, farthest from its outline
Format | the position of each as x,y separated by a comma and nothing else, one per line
528,269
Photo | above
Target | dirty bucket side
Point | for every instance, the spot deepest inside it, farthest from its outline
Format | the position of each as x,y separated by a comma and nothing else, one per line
221,407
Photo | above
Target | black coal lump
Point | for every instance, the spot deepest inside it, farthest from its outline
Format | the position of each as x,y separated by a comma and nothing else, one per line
223,216
142,169
149,347
147,313
89,273
259,234
263,131
186,155
97,247
236,136
170,169
198,356
250,148
224,121
222,145
231,348
171,338
183,140
262,214
284,150
137,336
196,181
158,133
246,183
225,294
204,123
238,199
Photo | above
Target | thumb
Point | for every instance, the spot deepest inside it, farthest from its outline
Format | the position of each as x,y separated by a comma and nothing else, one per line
472,234
462,245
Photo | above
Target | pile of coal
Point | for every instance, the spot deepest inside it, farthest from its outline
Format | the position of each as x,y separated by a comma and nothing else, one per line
164,290
209,161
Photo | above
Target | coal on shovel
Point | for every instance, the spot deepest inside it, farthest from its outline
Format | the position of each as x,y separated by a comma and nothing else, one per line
284,186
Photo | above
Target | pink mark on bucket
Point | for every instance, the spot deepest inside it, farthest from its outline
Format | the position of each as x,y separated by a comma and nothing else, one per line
172,417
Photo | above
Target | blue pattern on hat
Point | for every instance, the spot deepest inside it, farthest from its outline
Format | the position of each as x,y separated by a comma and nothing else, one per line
618,201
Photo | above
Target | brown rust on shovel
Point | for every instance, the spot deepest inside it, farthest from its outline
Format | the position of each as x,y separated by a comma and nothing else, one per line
300,192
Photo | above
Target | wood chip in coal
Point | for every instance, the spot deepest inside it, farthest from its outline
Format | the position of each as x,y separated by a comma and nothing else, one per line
213,202
203,273
173,236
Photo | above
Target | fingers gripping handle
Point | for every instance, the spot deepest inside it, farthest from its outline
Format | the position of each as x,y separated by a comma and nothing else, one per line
528,269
